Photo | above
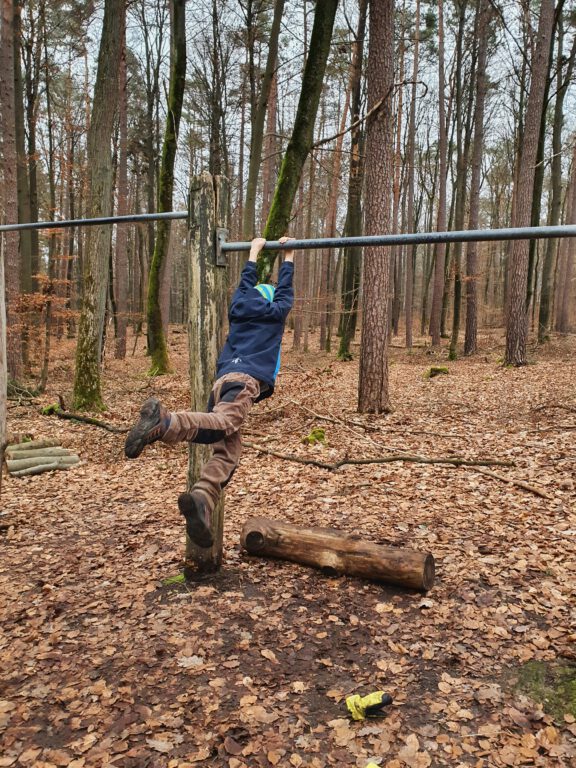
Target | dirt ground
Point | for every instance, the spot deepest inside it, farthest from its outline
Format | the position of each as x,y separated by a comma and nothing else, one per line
103,663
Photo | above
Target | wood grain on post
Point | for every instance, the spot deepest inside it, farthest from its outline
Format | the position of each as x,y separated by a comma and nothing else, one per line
335,552
206,322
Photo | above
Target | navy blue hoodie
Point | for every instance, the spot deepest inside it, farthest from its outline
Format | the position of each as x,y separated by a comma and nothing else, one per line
256,328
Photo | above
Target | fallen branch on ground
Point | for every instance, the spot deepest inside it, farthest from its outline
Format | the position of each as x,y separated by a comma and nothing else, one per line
518,483
562,406
457,462
55,410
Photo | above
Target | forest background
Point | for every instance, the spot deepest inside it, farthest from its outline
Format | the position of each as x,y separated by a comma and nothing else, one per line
465,122
365,118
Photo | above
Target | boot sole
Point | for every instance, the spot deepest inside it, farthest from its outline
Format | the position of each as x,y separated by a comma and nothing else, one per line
149,418
196,528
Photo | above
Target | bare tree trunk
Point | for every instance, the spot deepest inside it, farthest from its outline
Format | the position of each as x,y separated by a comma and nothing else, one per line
303,132
257,138
156,337
373,396
33,55
87,389
463,116
483,15
10,196
121,271
411,250
270,160
330,227
3,364
353,226
569,248
22,172
516,316
440,250
562,82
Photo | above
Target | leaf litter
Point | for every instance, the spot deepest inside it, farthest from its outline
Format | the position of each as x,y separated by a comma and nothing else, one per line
106,659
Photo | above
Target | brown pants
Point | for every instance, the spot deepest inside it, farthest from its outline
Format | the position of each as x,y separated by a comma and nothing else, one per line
230,401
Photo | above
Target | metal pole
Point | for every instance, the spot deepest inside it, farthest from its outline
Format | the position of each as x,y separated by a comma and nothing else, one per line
479,235
130,219
416,238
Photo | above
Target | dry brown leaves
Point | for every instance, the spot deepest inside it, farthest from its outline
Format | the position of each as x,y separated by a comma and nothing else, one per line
101,665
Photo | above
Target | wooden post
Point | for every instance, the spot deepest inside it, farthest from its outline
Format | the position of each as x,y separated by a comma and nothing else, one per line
208,300
3,368
335,552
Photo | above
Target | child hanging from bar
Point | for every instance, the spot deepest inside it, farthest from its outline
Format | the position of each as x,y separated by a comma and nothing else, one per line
245,374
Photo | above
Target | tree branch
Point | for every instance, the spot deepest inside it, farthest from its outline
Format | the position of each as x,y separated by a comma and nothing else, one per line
457,462
511,481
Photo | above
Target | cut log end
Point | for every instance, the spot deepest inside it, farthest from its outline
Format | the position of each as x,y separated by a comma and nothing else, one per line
429,573
254,541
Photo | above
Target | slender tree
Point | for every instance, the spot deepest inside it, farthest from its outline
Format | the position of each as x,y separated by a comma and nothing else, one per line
440,250
257,137
10,188
483,18
121,266
411,250
563,79
373,395
516,315
156,338
303,131
568,257
87,387
3,366
353,224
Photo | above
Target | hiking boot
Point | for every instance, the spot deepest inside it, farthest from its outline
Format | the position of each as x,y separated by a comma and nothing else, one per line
194,509
151,426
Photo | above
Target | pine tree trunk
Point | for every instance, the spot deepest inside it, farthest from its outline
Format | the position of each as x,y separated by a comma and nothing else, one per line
516,319
483,15
87,389
440,250
410,156
569,256
562,82
353,225
3,364
463,115
270,160
10,189
157,346
330,227
121,271
33,49
303,132
22,171
257,138
373,396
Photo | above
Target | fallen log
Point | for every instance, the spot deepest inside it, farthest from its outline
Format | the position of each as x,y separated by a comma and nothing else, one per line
31,444
26,453
335,552
15,465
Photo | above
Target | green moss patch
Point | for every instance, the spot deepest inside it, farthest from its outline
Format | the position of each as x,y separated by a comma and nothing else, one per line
436,370
549,683
318,435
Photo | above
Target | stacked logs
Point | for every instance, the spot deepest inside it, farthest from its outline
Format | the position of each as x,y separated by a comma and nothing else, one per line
38,456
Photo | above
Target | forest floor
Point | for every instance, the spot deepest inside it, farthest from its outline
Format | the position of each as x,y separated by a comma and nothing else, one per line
104,664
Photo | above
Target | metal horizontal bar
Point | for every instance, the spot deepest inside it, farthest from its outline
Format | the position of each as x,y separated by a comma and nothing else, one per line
416,238
130,219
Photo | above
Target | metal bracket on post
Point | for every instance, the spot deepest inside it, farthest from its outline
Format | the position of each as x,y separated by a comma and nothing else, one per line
221,237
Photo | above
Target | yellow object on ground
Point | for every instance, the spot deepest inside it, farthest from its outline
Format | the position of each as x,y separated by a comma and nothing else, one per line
361,707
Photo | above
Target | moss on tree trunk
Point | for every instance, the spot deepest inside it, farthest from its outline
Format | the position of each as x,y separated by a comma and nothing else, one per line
157,347
302,134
